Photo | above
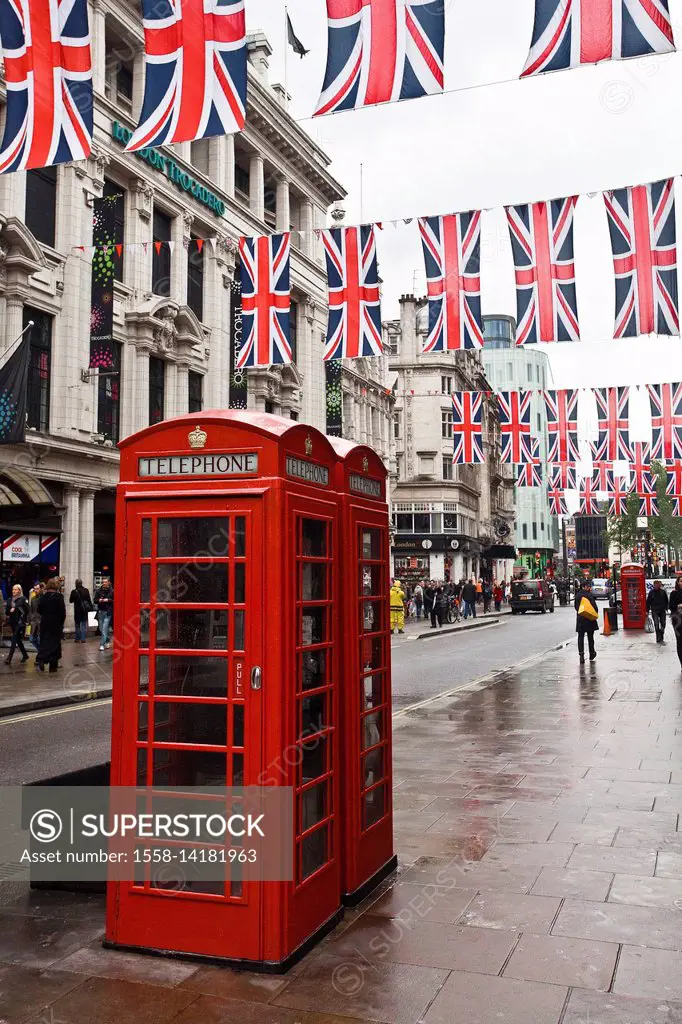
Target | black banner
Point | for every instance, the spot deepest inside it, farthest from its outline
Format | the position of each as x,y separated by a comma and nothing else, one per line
239,385
13,383
334,397
103,276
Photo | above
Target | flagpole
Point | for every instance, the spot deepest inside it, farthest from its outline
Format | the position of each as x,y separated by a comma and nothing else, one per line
286,58
29,326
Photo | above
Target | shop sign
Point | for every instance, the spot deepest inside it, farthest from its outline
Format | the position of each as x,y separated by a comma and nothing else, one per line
21,547
166,165
225,464
308,471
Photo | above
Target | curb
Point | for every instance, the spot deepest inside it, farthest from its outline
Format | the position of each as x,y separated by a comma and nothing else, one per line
445,630
22,707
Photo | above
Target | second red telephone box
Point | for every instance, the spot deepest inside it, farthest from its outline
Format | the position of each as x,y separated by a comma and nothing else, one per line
366,750
633,591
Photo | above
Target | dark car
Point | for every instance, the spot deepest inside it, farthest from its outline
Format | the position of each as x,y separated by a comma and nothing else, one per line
531,596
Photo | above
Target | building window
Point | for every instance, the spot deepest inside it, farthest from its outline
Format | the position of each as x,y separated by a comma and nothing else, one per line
293,328
393,344
539,422
535,531
396,426
41,204
446,385
537,373
293,415
269,407
195,278
109,397
196,392
524,531
161,255
447,425
157,390
242,181
38,391
119,71
112,191
448,468
529,372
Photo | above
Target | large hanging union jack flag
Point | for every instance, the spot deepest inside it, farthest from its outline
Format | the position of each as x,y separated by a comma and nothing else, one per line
641,481
568,33
542,246
642,228
354,325
666,421
514,409
603,476
557,501
648,505
589,502
562,425
613,417
266,300
530,475
618,496
452,255
674,475
382,50
467,432
195,71
563,477
48,71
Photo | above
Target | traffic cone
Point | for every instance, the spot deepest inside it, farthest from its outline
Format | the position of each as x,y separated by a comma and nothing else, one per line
607,623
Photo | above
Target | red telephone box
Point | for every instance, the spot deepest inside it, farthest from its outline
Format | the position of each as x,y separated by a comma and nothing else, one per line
227,666
633,591
366,758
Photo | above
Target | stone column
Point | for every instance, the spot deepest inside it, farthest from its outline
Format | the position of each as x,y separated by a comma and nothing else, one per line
70,549
228,180
283,206
181,230
128,385
98,22
307,225
182,389
142,388
171,389
14,316
257,186
138,83
86,558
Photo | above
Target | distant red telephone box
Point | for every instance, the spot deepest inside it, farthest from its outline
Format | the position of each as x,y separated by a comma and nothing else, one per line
232,559
633,591
366,773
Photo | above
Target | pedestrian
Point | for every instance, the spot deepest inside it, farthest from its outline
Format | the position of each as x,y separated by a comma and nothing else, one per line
439,609
397,607
498,596
487,596
418,599
104,602
52,611
82,606
479,591
33,617
17,613
675,605
429,591
503,587
469,599
586,626
657,606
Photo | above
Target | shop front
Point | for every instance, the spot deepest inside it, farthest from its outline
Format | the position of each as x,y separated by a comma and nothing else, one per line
27,558
443,557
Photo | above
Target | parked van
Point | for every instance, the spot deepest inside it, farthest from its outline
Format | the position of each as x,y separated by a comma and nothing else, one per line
531,596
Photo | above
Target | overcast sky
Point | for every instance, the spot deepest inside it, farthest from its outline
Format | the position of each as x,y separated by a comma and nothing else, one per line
576,131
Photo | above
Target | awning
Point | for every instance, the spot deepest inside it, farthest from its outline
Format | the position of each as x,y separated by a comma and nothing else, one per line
500,551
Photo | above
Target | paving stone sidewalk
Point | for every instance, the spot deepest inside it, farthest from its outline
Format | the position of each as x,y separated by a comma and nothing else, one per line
540,877
84,674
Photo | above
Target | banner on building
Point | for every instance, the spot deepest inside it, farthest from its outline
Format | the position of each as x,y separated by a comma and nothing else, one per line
239,387
334,397
104,259
13,384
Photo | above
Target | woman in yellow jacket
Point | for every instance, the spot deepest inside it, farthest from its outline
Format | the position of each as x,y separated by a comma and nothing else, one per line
397,607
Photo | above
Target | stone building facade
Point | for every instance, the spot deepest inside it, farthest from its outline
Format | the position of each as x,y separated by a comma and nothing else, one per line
175,310
449,522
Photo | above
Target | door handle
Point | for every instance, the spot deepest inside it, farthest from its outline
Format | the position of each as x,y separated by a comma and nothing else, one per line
256,677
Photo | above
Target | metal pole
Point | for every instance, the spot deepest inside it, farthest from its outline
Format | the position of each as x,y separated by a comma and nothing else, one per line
286,58
563,537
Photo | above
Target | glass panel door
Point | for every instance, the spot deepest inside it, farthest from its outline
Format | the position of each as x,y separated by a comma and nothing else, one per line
374,646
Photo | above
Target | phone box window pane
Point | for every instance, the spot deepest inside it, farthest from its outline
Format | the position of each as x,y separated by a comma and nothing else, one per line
238,725
371,580
144,627
372,730
189,768
313,806
142,766
373,767
237,769
239,631
314,762
186,676
313,669
145,583
372,617
240,583
198,537
181,583
144,674
374,806
373,653
314,538
313,714
373,690
194,724
314,582
313,626
143,721
371,545
146,538
240,537
191,629
313,852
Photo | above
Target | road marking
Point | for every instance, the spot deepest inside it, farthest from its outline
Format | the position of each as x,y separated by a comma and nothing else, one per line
482,679
84,705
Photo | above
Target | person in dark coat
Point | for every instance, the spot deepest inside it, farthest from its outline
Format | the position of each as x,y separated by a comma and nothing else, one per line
82,605
657,606
17,613
675,606
429,594
585,627
52,611
439,608
469,599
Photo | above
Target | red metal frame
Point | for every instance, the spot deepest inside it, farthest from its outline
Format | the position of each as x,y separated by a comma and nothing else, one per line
633,595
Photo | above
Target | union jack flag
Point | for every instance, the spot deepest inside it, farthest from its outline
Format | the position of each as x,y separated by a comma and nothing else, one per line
452,255
618,496
542,246
557,501
266,300
562,424
648,505
666,421
613,406
640,469
642,227
382,50
195,71
563,477
467,416
674,474
48,71
603,476
530,475
514,409
354,325
568,33
676,506
589,503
